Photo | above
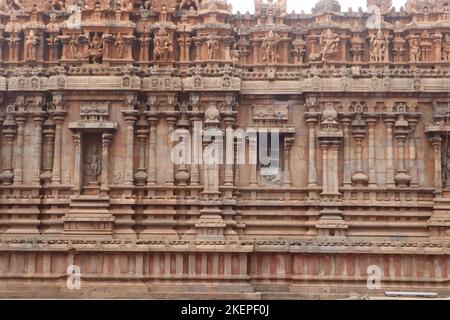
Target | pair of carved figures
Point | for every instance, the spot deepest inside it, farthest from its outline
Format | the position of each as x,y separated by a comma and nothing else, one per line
163,50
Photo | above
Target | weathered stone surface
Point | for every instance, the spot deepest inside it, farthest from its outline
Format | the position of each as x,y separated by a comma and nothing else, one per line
98,98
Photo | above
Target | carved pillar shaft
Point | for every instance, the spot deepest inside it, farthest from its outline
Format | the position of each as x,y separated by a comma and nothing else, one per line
413,156
56,172
288,141
312,168
253,150
325,173
76,181
47,150
170,170
334,170
372,159
390,171
437,148
18,170
196,151
229,165
9,134
38,121
129,119
347,181
151,180
106,142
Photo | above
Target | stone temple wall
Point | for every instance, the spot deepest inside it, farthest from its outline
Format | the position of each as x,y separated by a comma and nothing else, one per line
96,95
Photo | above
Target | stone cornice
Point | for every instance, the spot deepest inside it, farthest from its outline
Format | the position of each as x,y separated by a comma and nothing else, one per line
291,246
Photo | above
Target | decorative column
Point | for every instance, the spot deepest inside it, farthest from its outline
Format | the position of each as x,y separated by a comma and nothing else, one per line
312,120
196,149
371,121
389,122
106,143
58,118
142,133
359,132
153,122
130,118
401,133
331,222
288,142
9,129
38,119
47,150
18,170
171,121
230,148
413,170
346,121
76,184
253,151
437,148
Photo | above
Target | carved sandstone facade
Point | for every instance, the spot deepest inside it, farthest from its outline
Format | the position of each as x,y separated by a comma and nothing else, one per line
91,93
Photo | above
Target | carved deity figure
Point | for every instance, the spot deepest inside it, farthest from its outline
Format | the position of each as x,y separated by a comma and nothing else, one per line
414,50
329,43
120,46
213,47
376,9
96,48
97,14
446,48
94,165
379,45
31,43
269,46
72,47
163,46
235,54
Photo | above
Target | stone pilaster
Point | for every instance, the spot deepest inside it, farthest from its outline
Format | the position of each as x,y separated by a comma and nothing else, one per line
106,143
153,122
402,178
346,122
18,168
413,170
371,121
38,119
47,150
76,180
130,119
142,133
171,120
437,149
58,118
359,131
312,121
288,142
9,129
389,121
